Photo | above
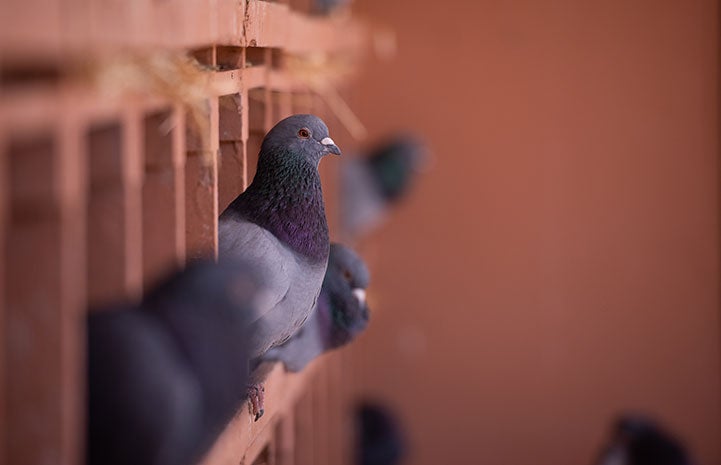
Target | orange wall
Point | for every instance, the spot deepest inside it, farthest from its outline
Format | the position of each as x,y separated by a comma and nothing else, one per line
560,262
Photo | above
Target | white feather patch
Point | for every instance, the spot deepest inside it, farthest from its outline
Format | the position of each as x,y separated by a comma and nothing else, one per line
360,294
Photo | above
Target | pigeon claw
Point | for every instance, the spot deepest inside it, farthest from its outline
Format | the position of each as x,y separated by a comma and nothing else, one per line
256,396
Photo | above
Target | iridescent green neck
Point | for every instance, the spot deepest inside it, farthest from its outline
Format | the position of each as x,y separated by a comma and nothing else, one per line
286,198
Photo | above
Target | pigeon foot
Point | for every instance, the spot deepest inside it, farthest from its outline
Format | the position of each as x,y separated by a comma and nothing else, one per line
256,396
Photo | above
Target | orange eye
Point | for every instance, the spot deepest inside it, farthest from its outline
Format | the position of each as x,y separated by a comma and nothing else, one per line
347,275
304,133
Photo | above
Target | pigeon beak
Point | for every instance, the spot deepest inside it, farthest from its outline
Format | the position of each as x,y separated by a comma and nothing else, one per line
360,295
330,146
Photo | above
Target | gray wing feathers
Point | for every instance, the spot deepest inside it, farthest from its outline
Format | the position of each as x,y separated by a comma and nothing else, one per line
263,252
301,349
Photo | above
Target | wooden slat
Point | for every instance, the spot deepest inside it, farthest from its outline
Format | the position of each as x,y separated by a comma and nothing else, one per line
201,186
269,114
115,211
265,24
282,392
336,418
163,194
73,177
232,81
197,24
322,415
228,21
72,29
169,19
4,223
133,174
45,298
244,114
231,163
285,438
73,185
40,108
261,449
112,22
256,128
303,6
304,448
29,24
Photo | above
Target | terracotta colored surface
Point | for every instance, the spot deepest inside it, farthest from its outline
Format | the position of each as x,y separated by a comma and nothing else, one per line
560,262
44,248
163,196
114,212
201,188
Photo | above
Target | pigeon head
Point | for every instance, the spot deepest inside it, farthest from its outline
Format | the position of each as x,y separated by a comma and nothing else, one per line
285,196
380,439
344,292
637,440
305,136
395,162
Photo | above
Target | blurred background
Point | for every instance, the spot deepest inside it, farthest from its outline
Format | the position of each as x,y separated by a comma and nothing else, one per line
559,263
556,262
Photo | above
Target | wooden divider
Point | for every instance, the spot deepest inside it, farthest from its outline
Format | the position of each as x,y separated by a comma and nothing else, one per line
285,439
4,222
201,186
54,29
100,195
43,335
114,211
163,193
231,178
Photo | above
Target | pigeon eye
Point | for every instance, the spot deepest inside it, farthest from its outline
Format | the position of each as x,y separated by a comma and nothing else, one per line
347,275
304,133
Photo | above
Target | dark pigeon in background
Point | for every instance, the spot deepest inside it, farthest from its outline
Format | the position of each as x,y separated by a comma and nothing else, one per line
379,436
371,184
166,376
341,313
278,225
637,440
326,7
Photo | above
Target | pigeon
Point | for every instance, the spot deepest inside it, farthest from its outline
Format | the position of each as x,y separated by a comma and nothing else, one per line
278,225
371,184
327,7
636,440
165,376
379,437
341,313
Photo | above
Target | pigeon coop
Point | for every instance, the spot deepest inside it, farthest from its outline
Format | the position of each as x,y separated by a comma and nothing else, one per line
125,128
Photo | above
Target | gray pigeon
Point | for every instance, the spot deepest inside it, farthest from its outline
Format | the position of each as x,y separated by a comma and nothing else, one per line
371,184
341,313
637,440
327,7
278,226
165,376
380,438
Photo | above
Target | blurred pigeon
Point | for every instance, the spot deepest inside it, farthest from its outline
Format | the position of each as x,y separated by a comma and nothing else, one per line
341,313
636,440
326,7
165,377
370,184
278,225
379,438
